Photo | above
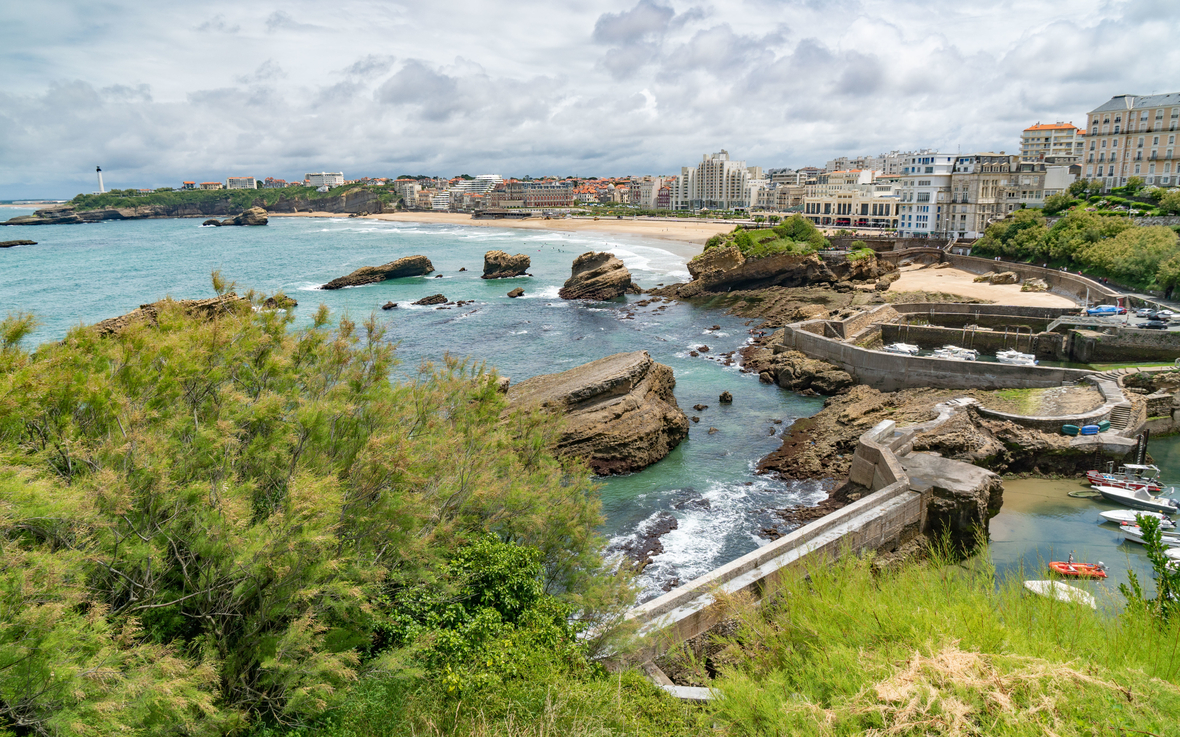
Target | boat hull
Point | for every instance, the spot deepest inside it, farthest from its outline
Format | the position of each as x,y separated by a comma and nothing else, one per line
1077,570
1127,498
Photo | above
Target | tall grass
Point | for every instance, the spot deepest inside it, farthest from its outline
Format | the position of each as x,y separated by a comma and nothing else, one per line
937,648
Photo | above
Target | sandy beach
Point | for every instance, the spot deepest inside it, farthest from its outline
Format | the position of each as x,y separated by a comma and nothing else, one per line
683,239
954,281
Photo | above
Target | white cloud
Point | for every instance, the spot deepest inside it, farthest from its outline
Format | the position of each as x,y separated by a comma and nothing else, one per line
630,86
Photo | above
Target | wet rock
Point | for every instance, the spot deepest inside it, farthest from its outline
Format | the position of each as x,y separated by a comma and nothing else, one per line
499,265
438,276
713,430
703,349
434,299
518,292
700,503
10,244
403,267
646,543
389,305
251,216
700,407
598,276
214,222
462,268
695,419
725,398
620,412
765,377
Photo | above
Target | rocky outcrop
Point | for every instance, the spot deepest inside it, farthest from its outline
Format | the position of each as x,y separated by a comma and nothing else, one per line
620,413
279,302
598,276
10,244
790,369
149,313
403,267
725,270
252,216
434,299
212,222
963,497
518,292
998,277
499,265
1034,285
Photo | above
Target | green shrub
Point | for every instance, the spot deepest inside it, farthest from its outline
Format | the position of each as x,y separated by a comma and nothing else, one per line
1058,203
861,254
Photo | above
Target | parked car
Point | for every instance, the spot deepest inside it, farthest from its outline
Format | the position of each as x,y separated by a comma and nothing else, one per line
1106,310
1144,312
1166,315
1155,325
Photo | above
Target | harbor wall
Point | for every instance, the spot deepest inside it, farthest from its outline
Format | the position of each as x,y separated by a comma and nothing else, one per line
1060,282
1124,344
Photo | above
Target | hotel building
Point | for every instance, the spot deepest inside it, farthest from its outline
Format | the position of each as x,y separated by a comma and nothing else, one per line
1133,136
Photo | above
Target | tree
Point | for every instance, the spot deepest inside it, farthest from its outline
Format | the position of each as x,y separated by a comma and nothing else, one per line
1134,184
1079,187
1169,203
1019,236
1057,203
774,219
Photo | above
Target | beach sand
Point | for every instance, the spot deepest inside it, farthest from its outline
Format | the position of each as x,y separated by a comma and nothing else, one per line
954,281
684,239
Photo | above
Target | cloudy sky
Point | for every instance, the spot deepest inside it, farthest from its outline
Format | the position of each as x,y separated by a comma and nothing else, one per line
164,91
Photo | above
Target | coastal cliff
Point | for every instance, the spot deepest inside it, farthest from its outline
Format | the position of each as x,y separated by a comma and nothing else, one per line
620,413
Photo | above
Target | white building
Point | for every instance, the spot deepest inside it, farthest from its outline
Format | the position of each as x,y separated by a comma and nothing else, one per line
717,183
481,184
1061,142
241,183
924,194
325,179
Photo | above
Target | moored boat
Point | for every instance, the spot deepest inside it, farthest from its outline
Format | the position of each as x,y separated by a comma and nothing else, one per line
1121,516
1138,499
1130,476
1061,592
902,348
956,353
1132,533
1078,570
1016,358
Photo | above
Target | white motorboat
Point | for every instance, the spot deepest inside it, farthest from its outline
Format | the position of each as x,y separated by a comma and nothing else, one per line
1132,533
955,353
1061,592
1016,358
1138,499
1127,516
1172,554
902,348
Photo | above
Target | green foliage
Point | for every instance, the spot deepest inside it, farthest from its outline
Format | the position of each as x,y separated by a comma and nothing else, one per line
939,648
1134,184
239,199
1079,187
714,241
800,229
1058,203
1166,602
201,520
1022,234
1169,203
861,253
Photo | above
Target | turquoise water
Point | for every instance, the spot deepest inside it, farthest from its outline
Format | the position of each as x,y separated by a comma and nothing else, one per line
84,273
1040,522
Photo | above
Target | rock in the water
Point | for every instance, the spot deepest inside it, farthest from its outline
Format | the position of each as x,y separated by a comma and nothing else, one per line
721,270
700,407
462,268
598,276
252,216
518,292
212,222
499,265
434,299
279,302
620,413
725,398
149,313
713,430
10,244
795,371
389,305
408,266
1034,285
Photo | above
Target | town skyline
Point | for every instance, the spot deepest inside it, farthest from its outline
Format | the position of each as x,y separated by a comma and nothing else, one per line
622,88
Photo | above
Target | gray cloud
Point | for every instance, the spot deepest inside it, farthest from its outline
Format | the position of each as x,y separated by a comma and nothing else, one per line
640,87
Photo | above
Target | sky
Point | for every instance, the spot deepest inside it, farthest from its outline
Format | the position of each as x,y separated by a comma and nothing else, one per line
166,91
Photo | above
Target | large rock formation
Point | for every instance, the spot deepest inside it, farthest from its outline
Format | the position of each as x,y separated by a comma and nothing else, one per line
10,244
620,413
251,216
598,276
790,369
149,313
720,270
408,266
499,265
963,497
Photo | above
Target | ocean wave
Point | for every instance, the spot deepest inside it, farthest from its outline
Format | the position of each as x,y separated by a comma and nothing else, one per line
546,293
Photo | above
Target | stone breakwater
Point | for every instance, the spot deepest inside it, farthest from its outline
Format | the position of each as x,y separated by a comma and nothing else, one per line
620,412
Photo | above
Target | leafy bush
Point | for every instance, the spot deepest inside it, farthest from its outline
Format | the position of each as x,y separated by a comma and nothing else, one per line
861,254
1058,203
210,513
1169,204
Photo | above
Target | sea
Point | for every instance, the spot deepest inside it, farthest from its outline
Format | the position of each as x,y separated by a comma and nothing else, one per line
722,509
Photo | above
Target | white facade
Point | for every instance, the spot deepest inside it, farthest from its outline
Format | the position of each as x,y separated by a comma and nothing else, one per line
1061,141
241,183
717,183
924,194
325,179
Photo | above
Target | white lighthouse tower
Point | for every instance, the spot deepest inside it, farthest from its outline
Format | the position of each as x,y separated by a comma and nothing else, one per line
100,187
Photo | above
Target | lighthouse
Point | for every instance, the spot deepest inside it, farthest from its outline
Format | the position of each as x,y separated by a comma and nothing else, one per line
98,169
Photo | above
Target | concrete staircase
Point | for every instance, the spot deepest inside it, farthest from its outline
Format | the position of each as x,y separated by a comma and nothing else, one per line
1120,416
1116,375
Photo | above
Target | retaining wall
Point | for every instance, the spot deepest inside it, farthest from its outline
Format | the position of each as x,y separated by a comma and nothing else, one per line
891,371
971,308
1125,344
1111,394
1045,346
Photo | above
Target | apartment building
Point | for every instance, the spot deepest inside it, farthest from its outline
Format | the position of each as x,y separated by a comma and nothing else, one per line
924,194
717,183
987,187
188,185
1055,142
1133,135
272,183
241,183
212,185
325,179
409,192
852,199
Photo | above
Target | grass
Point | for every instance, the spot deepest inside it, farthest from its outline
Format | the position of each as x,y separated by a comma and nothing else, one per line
1021,401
